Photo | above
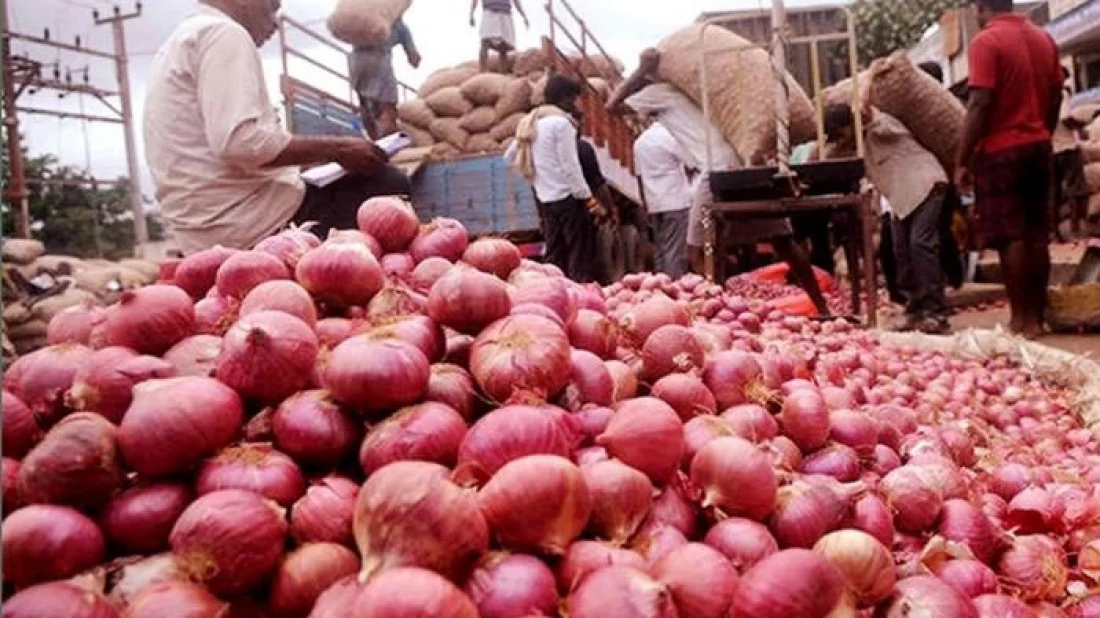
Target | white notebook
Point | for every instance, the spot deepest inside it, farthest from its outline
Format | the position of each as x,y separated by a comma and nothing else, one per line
324,175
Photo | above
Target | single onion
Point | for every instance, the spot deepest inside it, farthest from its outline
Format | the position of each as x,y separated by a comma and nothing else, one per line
1009,480
325,513
871,515
687,395
735,378
521,354
671,349
620,500
1001,606
426,273
1035,567
374,376
646,434
397,265
333,331
965,524
41,379
105,385
140,519
927,597
77,464
244,270
742,541
418,330
805,511
701,579
314,430
805,419
592,421
341,274
884,460
43,542
253,467
751,422
305,573
701,431
214,315
793,582
591,382
595,333
536,309
642,319
916,503
59,598
626,382
230,541
289,245
551,292
394,302
285,296
75,324
20,429
173,424
512,585
1033,511
712,337
454,386
655,541
391,220
195,356
836,460
410,514
853,429
621,592
268,356
424,432
538,503
443,237
584,557
672,508
495,256
397,593
175,599
970,577
468,300
737,479
355,237
783,453
197,273
865,563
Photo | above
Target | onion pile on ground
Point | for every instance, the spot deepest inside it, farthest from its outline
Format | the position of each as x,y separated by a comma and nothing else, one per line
396,422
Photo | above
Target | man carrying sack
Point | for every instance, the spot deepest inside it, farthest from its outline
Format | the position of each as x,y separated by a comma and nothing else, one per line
1006,153
374,80
498,31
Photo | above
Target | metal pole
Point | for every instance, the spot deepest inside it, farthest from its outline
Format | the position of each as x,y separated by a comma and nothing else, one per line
782,101
17,189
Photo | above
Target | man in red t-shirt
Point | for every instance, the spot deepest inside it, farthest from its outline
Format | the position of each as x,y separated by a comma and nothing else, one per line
1015,97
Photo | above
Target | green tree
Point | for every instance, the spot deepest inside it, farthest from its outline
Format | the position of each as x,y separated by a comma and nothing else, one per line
886,26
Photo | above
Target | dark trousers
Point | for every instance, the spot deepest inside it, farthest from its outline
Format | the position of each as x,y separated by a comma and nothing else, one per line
815,227
889,262
950,254
670,242
337,205
571,239
917,249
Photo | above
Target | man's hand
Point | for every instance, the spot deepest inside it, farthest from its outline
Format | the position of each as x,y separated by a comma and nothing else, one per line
414,58
964,180
360,156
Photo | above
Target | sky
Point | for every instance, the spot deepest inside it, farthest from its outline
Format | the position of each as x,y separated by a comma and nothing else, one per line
440,27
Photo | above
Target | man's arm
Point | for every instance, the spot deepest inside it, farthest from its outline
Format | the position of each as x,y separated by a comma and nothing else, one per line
473,13
407,43
355,154
978,112
643,76
519,9
565,143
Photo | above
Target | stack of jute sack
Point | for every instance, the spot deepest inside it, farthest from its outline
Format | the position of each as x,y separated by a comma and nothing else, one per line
38,286
460,110
1089,116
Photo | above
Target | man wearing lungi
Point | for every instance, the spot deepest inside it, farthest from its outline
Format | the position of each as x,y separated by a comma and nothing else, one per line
498,30
372,76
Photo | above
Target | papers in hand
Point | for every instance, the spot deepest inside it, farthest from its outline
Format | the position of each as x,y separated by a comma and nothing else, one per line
324,175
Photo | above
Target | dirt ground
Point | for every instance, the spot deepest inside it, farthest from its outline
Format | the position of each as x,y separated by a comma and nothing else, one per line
1086,344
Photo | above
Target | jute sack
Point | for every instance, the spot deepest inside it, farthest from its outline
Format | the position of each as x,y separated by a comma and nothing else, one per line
149,271
415,113
515,98
506,128
58,264
448,130
485,88
366,22
445,78
598,65
529,61
840,93
479,121
420,137
444,151
34,329
482,142
20,251
931,113
1092,177
449,103
741,89
47,308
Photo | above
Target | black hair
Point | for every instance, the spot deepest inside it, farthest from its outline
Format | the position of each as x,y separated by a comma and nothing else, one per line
560,89
997,6
933,69
838,117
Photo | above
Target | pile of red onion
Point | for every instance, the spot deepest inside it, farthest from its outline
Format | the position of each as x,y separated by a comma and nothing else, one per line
397,421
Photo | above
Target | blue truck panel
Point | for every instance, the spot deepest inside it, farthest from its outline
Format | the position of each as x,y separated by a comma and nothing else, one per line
482,192
318,117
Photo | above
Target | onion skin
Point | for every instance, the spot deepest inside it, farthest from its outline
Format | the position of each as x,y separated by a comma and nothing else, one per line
268,356
175,599
805,419
646,434
965,524
20,429
215,315
331,332
626,382
736,478
584,557
197,273
314,430
77,464
805,512
1001,606
591,383
45,542
751,422
640,322
391,221
512,585
915,502
59,598
495,256
9,469
396,593
865,563
671,349
230,541
927,597
620,500
970,577
148,320
140,519
620,592
395,302
41,379
836,460
341,274
701,580
195,356
467,300
426,273
425,432
742,541
595,333
701,431
305,573
853,429
75,324
253,467
443,237
793,582
655,541
374,376
538,503
734,377
397,265
871,515
521,354
105,385
289,245
550,292
454,386
418,331
1034,567
410,514
194,418
285,296
324,514
245,270
687,395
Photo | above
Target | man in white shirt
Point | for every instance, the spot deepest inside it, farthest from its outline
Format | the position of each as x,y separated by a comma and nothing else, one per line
662,166
226,172
545,153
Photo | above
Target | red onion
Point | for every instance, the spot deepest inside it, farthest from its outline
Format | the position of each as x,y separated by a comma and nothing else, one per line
700,431
230,540
1009,480
590,455
865,563
521,354
1089,607
620,500
468,300
536,309
735,378
551,292
592,421
58,599
195,356
307,572
595,333
285,296
626,382
1046,610
390,220
41,379
736,478
374,376
966,524
268,356
253,467
355,237
214,315
424,432
584,557
655,541
671,349
20,429
324,514
784,454
9,471
443,237
410,514
742,541
672,508
341,274
805,511
805,419
640,322
495,256
646,434
140,519
1001,606
591,382
1035,567
924,596
394,302
871,515
512,585
884,460
621,592
426,273
970,577
538,503
751,422
105,385
244,270
173,424
701,580
835,460
454,386
176,599
712,338
333,331
417,330
916,503
75,324
458,349
258,428
197,273
687,395
77,464
289,245
397,265
44,542
854,429
793,582
1033,511
396,593
148,320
